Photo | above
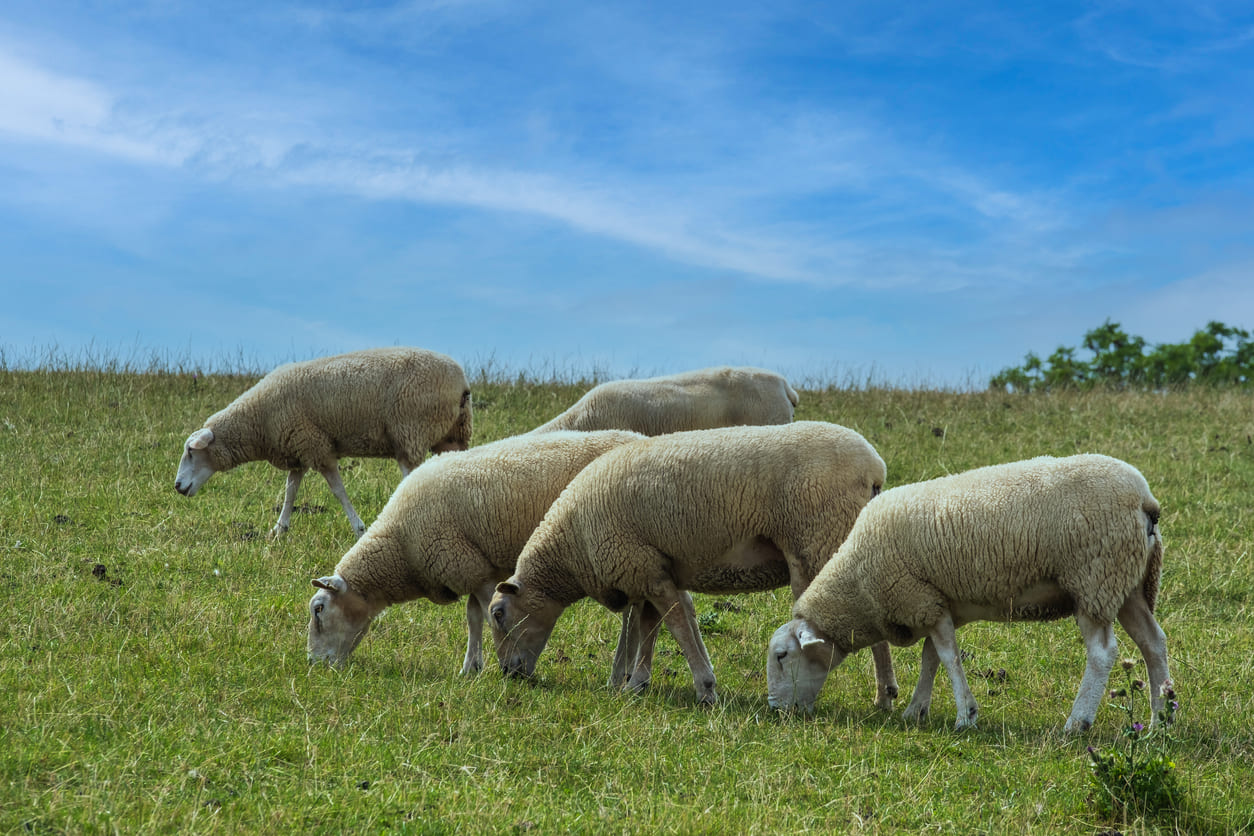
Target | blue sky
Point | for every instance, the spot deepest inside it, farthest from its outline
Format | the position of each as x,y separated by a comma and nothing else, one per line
920,193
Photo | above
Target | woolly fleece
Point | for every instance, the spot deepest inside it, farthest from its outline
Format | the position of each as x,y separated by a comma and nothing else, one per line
454,527
721,396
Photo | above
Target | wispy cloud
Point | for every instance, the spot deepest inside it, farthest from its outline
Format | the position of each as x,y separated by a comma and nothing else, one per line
718,216
37,105
711,143
1173,38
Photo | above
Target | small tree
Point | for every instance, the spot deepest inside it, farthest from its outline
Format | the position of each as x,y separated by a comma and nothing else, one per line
1064,370
1117,358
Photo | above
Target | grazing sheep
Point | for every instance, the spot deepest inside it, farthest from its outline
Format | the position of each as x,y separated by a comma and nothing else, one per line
454,527
1028,541
735,509
384,402
722,396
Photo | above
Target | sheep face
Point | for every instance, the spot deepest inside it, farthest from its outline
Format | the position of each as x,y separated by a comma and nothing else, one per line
196,466
798,661
338,618
522,620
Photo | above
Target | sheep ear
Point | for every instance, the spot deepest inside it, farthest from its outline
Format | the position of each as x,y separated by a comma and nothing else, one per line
807,637
331,583
200,439
507,588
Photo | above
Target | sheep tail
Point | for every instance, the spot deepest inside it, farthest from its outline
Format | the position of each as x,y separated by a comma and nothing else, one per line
1154,560
793,397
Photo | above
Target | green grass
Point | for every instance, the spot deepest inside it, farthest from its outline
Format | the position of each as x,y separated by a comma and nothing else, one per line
169,692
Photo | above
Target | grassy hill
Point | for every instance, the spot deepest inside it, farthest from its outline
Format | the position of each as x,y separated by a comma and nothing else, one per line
154,677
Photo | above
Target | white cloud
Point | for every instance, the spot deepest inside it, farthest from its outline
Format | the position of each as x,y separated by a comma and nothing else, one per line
807,193
39,105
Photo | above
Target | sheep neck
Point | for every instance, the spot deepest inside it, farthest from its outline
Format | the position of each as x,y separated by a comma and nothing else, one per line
551,575
835,607
377,570
235,438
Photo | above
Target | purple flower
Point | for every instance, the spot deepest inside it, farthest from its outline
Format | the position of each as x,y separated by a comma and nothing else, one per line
1137,727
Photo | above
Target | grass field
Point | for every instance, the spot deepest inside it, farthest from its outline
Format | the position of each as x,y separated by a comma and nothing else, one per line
154,679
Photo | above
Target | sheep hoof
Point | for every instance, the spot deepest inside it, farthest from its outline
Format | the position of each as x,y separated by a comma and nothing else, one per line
635,686
1075,726
915,714
277,532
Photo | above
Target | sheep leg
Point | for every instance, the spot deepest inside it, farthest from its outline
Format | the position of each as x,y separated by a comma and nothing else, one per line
946,645
921,700
1142,627
289,502
644,638
623,651
332,475
885,678
681,619
476,611
1099,642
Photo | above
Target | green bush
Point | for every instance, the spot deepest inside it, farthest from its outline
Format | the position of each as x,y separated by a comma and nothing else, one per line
1217,355
1138,778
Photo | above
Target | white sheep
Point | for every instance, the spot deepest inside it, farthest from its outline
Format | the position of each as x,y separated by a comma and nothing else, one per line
384,402
453,527
727,510
722,396
1028,541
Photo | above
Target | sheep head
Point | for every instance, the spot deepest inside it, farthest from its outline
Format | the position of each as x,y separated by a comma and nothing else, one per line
798,661
196,465
338,618
522,618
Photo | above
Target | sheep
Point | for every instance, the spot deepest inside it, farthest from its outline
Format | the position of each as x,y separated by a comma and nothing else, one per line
729,510
1035,540
384,402
454,527
722,396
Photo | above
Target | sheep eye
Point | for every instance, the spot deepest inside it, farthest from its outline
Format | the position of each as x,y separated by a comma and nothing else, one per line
779,657
318,609
498,615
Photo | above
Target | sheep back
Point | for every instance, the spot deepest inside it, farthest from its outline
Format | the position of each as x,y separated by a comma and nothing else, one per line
721,396
983,538
384,402
460,520
677,504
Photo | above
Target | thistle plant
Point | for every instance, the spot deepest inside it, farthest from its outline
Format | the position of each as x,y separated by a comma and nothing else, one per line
1138,777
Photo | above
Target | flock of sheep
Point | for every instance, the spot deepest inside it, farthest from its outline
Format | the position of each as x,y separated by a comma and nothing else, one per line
645,491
